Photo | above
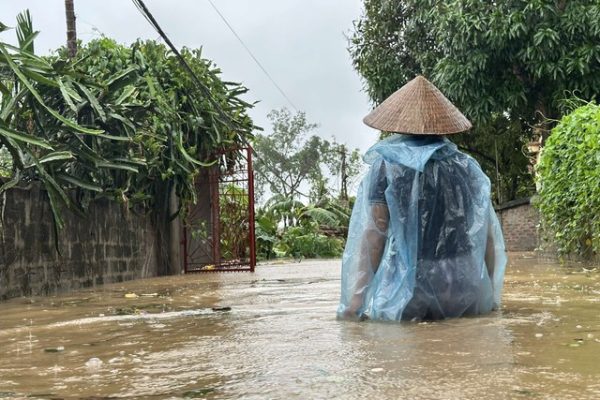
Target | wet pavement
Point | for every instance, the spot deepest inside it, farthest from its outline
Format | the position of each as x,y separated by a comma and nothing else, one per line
273,334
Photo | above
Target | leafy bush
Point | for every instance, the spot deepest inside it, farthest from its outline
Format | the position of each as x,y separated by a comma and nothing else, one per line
126,122
308,242
266,238
569,176
292,229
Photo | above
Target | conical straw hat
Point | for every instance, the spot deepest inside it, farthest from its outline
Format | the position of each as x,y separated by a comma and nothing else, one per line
418,108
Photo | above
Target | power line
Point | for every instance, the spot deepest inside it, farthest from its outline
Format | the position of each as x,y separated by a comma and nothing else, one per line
203,88
252,55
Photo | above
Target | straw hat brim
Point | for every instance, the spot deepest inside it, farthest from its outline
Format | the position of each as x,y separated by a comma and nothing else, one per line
418,108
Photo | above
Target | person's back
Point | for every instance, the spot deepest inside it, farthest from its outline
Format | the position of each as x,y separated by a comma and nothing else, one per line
424,241
448,275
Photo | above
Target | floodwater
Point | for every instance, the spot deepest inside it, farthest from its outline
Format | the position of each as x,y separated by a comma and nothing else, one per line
280,340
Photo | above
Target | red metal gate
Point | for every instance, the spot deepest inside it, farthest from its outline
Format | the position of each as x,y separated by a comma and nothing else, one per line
218,231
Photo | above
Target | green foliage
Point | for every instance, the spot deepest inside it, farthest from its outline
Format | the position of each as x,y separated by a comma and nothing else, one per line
388,46
5,163
307,242
266,237
569,175
289,159
117,121
178,130
233,213
500,146
515,57
507,65
488,57
313,230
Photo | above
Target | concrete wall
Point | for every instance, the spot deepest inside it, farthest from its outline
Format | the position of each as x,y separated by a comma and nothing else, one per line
108,245
519,220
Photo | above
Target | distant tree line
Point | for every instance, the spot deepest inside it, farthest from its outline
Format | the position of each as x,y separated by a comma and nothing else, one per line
303,214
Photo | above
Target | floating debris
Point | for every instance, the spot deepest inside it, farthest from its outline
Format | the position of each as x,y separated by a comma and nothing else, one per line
131,296
124,311
54,349
194,393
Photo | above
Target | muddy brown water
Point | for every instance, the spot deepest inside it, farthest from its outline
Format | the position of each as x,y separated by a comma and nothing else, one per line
281,340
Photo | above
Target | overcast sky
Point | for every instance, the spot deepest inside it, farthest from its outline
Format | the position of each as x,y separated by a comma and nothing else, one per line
301,43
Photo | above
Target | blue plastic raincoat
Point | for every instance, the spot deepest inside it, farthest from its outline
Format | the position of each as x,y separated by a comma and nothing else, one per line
424,241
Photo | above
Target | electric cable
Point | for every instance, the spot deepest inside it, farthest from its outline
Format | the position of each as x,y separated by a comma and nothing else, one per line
253,56
203,88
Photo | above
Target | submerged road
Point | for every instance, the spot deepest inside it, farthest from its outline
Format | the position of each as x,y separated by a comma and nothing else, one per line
273,335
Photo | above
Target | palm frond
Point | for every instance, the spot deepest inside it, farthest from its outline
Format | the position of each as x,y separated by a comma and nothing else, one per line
321,216
25,33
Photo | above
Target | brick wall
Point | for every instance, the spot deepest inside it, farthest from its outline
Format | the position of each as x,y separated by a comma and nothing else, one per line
519,220
109,244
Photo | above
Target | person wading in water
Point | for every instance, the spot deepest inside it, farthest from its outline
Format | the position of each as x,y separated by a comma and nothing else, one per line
424,242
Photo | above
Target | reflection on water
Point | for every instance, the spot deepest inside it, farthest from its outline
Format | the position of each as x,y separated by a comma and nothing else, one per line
280,339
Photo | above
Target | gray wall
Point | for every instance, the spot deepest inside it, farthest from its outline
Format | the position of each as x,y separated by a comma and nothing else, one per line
110,244
519,220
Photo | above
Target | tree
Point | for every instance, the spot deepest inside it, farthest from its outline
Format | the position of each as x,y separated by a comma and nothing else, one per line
344,164
71,28
503,63
296,165
288,158
569,176
515,57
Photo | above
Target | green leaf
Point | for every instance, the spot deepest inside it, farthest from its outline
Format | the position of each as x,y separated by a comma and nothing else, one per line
189,158
4,27
94,103
122,79
25,33
9,107
39,99
39,78
135,161
127,92
24,137
80,183
67,96
12,182
4,90
116,138
113,165
57,155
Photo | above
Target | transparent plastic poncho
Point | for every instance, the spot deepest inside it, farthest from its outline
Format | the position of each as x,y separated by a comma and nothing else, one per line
424,241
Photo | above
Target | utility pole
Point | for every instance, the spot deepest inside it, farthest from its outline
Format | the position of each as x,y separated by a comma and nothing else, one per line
71,29
344,177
